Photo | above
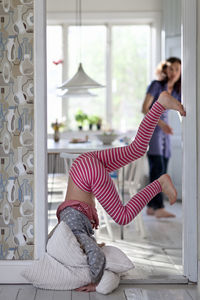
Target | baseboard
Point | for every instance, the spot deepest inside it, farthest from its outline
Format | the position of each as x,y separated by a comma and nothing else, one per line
11,272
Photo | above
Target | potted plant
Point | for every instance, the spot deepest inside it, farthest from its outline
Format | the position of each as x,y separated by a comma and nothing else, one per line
91,121
98,122
80,118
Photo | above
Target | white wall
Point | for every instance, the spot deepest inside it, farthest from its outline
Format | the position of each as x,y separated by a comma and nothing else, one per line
198,114
172,27
105,5
172,41
172,12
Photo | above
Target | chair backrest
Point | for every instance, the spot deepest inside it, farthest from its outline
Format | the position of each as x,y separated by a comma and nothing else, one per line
69,155
68,159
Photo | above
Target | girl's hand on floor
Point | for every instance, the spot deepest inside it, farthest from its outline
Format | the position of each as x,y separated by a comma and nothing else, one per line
91,287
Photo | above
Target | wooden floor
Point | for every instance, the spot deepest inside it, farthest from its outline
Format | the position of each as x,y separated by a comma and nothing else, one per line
124,292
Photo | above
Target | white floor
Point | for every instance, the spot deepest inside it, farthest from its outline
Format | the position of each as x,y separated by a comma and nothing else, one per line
123,292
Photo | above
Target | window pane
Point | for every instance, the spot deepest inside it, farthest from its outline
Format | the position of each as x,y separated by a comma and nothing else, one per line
130,73
93,57
54,74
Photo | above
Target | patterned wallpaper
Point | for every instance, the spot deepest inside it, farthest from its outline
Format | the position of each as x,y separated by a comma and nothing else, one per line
16,130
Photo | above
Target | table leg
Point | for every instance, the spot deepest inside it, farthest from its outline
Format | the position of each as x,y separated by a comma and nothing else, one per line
53,175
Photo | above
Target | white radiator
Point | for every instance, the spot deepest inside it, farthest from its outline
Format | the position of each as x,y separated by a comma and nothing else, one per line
55,164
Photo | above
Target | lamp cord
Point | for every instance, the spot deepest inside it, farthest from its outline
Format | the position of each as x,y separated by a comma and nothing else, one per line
79,23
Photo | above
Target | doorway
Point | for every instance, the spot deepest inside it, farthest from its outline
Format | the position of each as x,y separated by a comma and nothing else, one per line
185,166
10,271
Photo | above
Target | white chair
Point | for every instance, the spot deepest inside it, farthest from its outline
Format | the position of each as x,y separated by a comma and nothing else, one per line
68,159
104,219
134,175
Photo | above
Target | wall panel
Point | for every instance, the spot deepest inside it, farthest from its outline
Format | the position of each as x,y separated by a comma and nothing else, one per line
16,130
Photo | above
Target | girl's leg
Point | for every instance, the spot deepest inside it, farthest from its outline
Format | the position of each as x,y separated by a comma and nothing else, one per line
103,188
116,158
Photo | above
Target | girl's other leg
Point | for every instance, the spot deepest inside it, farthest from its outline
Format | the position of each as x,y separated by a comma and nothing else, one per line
115,158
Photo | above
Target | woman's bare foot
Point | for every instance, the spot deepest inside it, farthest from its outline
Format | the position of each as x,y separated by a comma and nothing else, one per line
170,102
150,211
162,213
168,188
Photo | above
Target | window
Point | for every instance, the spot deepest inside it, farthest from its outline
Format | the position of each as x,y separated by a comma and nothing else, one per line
93,58
129,50
129,74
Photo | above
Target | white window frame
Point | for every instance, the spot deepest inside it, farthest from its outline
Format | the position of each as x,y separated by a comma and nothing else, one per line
137,18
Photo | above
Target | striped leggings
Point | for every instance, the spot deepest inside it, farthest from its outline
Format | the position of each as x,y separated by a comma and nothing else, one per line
90,172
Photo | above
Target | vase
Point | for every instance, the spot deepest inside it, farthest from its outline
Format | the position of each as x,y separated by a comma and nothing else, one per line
98,126
56,136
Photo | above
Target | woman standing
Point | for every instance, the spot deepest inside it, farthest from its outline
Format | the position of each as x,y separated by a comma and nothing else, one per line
159,148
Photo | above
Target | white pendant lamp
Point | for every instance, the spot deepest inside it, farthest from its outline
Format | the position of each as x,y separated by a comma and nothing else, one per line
80,80
77,93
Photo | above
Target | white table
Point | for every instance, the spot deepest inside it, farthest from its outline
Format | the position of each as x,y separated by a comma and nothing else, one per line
64,145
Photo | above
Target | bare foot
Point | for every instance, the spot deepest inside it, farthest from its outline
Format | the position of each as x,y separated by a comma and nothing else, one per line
168,188
150,211
170,102
162,213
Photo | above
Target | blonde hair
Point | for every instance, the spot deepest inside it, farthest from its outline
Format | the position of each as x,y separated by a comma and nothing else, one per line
161,70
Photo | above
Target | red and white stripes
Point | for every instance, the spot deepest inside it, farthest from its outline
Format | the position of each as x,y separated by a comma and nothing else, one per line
90,172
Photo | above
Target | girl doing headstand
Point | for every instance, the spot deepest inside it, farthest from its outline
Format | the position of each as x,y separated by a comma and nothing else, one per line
89,179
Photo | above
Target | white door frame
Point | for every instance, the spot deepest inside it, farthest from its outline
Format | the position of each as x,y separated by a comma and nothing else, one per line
189,181
10,271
